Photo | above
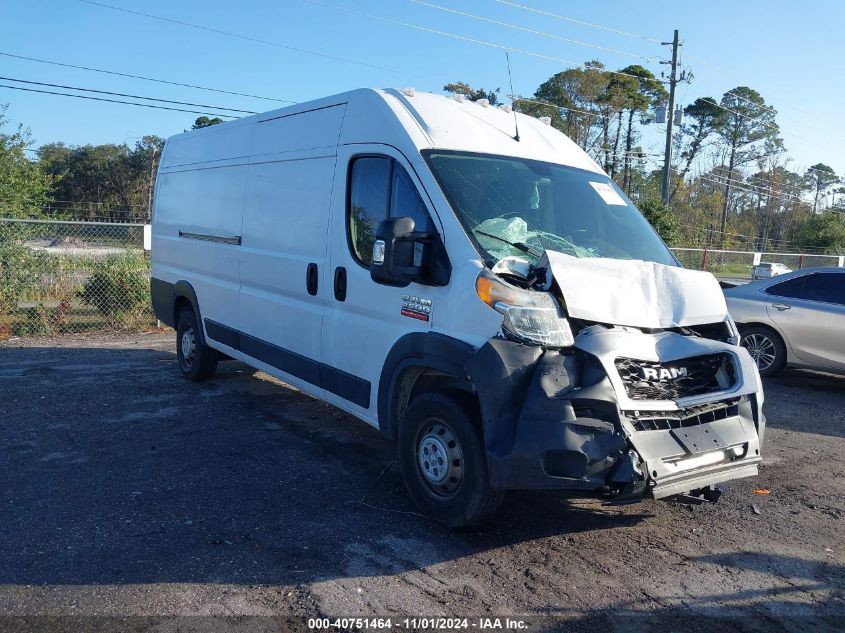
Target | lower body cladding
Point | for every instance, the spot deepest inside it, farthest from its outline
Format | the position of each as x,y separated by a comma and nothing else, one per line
623,415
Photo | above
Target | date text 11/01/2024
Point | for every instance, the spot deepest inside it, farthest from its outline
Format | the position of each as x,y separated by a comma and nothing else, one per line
418,624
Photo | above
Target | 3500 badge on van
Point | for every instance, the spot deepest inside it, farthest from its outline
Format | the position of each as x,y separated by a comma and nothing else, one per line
416,307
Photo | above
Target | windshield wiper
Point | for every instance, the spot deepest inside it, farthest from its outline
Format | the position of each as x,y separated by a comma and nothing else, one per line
520,246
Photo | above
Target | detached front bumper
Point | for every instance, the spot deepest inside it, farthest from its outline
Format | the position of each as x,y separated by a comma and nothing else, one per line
553,421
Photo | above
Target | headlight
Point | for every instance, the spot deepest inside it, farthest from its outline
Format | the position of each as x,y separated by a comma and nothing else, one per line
530,316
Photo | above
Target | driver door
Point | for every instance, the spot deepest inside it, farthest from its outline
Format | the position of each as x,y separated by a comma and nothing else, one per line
365,318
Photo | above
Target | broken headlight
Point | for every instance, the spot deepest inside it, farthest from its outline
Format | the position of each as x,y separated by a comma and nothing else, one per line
530,316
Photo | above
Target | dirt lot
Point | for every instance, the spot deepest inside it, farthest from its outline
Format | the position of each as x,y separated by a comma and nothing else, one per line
127,491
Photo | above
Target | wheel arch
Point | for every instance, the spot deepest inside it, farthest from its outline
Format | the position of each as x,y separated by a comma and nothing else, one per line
417,363
169,298
184,292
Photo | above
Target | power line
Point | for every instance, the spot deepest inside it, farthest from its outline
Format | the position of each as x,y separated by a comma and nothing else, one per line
751,117
752,190
581,22
760,115
732,233
762,107
554,105
465,38
241,36
587,112
122,94
777,243
700,61
748,239
142,105
738,181
528,30
131,76
783,197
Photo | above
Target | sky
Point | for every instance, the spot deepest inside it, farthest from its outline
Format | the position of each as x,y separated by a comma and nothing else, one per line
791,52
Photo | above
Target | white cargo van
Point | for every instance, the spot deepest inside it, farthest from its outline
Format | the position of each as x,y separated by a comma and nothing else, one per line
484,295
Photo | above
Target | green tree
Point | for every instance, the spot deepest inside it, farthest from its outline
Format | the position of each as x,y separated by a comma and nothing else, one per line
645,92
144,160
613,100
824,230
703,118
818,179
463,88
90,180
749,125
103,180
204,121
23,186
661,218
572,97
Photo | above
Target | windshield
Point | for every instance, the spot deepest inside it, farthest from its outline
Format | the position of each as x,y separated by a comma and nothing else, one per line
515,206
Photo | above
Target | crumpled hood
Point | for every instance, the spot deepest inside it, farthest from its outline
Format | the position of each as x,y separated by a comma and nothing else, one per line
636,293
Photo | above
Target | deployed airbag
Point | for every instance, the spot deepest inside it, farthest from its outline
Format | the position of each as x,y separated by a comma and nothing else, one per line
635,292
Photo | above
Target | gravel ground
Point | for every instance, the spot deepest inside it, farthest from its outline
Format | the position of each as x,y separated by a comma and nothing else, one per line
128,491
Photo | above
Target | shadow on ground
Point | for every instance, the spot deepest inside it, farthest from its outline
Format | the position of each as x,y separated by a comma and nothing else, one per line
116,470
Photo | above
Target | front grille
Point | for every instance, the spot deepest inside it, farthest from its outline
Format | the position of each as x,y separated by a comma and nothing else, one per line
694,376
691,416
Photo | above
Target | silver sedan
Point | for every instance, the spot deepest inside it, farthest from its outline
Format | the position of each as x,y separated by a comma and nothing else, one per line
796,319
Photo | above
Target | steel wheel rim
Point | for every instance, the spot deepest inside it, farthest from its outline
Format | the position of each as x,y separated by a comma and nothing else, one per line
189,346
761,349
440,459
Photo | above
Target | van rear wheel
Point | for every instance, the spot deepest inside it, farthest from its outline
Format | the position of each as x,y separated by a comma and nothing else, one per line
442,459
197,361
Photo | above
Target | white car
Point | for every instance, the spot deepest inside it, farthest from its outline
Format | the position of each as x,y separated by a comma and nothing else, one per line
465,279
767,270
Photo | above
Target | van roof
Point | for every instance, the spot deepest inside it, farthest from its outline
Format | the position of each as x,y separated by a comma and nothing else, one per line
420,120
470,126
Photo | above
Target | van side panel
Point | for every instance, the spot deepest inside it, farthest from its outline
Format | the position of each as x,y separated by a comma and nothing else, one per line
285,228
214,143
196,233
293,132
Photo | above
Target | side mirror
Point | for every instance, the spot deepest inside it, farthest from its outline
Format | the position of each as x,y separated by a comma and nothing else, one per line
402,255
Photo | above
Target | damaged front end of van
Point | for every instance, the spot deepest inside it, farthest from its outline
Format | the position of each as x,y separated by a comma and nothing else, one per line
620,379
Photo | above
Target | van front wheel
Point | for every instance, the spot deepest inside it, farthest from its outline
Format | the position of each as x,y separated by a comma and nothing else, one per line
442,459
197,361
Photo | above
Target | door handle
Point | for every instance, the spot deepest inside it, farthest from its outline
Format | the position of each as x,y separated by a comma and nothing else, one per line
340,283
781,306
311,279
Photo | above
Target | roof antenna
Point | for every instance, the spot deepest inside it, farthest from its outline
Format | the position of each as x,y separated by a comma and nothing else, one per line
513,109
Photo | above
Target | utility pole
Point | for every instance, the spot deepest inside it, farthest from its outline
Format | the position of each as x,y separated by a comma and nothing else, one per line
670,115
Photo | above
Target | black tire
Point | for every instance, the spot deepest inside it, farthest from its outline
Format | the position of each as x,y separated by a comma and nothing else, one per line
766,348
197,361
441,425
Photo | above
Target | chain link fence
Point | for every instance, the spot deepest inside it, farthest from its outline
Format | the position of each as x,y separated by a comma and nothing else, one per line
59,277
739,264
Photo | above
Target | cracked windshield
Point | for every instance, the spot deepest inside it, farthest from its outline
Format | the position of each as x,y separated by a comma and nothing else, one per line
514,206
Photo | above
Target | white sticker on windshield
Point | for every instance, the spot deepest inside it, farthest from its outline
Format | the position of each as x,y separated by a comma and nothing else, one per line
608,193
